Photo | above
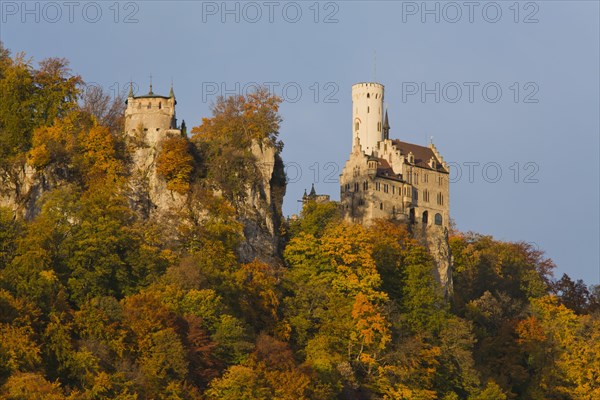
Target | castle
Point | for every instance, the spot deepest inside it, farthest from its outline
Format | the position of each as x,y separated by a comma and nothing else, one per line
388,178
153,114
391,179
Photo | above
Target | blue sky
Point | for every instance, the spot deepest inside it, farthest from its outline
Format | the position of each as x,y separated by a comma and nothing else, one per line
502,87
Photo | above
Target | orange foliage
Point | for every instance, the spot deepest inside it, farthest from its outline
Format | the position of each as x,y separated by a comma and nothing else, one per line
175,163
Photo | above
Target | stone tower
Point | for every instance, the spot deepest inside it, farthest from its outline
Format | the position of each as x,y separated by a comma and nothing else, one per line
154,115
149,120
367,114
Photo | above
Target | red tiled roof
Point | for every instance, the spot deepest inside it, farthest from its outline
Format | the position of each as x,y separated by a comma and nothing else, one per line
422,154
384,170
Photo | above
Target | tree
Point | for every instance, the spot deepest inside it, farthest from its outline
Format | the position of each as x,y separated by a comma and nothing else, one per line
31,386
175,163
574,295
224,141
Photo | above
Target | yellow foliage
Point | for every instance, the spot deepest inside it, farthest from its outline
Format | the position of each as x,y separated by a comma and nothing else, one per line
175,163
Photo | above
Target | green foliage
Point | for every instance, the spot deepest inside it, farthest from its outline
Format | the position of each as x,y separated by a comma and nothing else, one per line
31,98
98,302
315,217
225,140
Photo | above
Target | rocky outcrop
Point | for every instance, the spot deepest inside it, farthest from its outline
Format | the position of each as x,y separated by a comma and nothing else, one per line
21,186
147,191
261,213
435,238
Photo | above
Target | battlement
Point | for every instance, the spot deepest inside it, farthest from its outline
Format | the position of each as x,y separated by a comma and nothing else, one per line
153,116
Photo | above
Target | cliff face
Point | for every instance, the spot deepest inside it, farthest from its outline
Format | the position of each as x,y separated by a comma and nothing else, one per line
22,186
260,213
435,238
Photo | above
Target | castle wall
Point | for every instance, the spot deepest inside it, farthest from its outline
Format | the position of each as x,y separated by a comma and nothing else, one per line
155,116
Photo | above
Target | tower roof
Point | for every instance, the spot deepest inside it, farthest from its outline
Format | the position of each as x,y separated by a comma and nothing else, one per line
386,122
386,126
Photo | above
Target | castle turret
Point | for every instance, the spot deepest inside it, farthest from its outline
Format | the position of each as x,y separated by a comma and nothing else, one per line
386,127
367,114
153,114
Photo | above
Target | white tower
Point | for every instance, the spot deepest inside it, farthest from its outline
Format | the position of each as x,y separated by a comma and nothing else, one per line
367,114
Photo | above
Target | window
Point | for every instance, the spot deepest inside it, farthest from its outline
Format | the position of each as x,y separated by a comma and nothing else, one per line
366,186
159,105
425,177
377,186
438,219
381,206
393,189
385,188
415,194
425,217
440,199
426,195
356,125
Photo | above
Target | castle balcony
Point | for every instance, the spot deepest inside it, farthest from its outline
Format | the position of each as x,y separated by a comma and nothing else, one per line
407,201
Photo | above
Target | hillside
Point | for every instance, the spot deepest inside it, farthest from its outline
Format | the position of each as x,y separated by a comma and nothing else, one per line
140,269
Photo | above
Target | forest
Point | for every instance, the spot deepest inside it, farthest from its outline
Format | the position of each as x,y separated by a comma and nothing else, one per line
99,302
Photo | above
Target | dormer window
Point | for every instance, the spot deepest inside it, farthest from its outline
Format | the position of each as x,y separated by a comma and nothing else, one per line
411,158
432,163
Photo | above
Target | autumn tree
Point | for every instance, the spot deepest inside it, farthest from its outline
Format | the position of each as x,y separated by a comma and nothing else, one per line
175,163
225,140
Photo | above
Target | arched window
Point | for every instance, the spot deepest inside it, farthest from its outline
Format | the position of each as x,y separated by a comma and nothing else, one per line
159,105
356,125
412,215
438,219
425,217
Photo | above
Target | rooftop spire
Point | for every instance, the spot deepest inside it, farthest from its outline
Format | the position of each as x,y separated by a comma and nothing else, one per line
171,92
313,192
386,126
150,93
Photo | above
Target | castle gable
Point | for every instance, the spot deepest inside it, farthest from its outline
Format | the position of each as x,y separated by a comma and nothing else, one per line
422,155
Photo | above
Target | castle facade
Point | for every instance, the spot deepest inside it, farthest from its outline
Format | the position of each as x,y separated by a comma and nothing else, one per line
389,178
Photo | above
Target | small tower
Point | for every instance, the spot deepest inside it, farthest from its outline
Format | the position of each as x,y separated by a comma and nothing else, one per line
367,114
153,114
